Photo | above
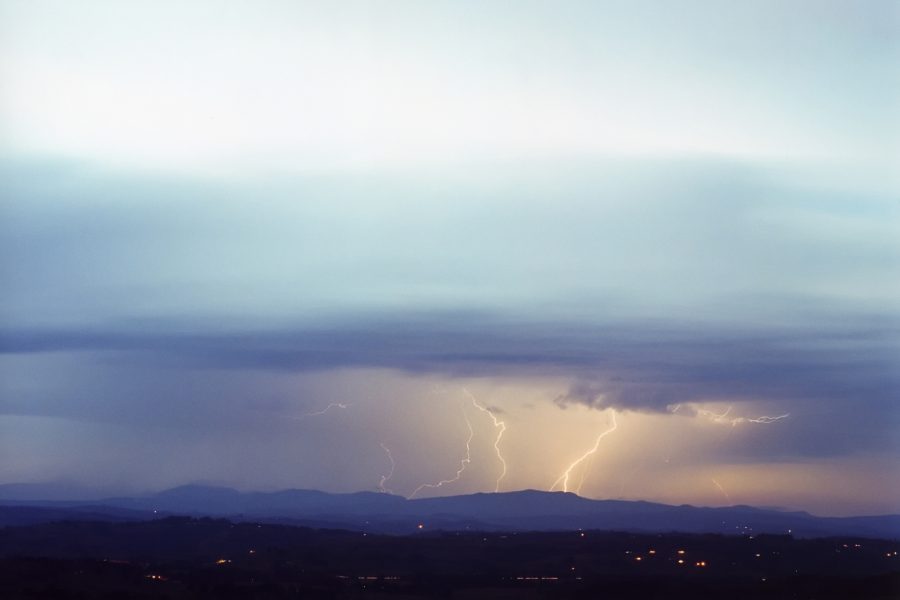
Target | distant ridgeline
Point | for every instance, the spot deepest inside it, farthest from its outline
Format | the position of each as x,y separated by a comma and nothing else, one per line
385,513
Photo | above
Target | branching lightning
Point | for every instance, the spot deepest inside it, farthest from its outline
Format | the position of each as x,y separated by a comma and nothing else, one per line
382,485
462,463
340,405
563,480
500,426
716,417
724,419
765,419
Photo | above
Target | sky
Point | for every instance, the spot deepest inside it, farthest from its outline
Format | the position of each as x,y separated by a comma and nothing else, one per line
349,246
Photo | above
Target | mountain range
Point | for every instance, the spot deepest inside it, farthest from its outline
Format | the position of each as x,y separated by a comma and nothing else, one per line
526,510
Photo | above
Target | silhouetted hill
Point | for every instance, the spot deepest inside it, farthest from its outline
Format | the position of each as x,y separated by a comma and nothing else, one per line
527,510
208,500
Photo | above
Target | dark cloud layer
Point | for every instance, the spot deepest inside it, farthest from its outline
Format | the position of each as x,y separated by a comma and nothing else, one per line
641,366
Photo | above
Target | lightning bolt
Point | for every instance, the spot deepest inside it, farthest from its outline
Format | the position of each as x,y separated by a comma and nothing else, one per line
715,417
586,470
386,478
723,417
563,480
721,489
317,413
500,426
765,419
462,463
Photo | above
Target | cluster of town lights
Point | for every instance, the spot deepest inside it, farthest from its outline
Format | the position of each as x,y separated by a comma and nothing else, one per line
679,553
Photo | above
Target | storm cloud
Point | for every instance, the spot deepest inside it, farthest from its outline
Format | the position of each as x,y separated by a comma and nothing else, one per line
843,372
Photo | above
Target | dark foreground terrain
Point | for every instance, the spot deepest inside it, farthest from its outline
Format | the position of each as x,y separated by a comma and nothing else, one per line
211,558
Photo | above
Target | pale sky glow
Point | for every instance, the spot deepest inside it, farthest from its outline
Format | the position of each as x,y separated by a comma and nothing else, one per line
355,86
216,216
